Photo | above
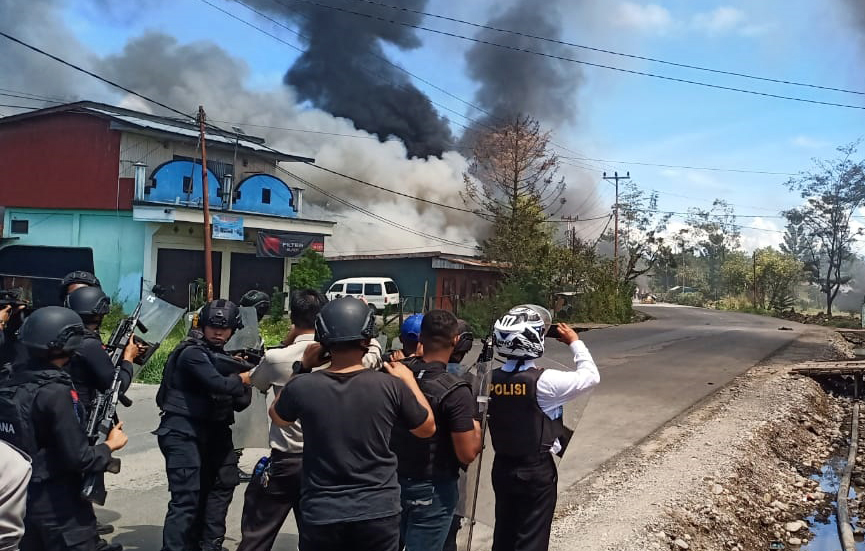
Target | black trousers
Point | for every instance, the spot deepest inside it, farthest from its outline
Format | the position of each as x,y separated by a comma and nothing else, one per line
58,518
202,475
525,493
381,534
265,508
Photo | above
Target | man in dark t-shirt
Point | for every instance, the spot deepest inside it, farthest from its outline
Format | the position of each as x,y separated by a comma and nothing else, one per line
429,467
350,497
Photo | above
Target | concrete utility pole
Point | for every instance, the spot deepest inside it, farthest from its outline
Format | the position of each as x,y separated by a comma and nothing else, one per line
615,178
208,260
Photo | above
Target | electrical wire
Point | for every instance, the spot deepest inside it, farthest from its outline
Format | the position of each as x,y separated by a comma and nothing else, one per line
613,52
578,61
716,169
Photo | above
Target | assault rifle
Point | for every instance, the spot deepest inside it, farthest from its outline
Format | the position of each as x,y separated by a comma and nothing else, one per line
483,373
103,409
229,365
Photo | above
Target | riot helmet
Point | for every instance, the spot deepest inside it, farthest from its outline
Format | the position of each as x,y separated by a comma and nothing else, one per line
519,334
258,300
52,330
88,302
345,319
464,343
220,313
410,328
78,277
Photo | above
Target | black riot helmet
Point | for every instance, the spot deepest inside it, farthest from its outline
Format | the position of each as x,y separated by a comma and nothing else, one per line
464,343
89,303
52,330
345,319
79,277
258,300
220,313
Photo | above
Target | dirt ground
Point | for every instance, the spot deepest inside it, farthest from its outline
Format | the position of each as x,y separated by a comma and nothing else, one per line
732,473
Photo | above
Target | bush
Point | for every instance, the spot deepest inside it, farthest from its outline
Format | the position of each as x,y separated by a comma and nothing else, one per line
690,299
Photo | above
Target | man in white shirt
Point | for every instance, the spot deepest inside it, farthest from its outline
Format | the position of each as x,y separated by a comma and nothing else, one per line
15,473
526,427
275,491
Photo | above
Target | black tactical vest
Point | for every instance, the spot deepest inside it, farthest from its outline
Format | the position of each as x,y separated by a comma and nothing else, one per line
430,458
82,375
518,426
180,396
17,396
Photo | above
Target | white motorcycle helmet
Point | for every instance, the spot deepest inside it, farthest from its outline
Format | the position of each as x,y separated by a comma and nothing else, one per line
519,334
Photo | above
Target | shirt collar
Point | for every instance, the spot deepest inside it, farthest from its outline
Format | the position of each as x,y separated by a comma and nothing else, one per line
305,337
510,365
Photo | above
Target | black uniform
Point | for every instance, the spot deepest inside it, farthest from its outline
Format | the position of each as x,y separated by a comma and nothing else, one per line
92,370
524,474
198,404
57,518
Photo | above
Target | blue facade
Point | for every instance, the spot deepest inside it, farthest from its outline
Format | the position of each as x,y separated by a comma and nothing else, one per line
265,194
115,239
168,185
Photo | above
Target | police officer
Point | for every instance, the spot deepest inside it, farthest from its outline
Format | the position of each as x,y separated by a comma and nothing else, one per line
91,368
198,401
526,427
258,300
429,468
76,280
11,351
58,518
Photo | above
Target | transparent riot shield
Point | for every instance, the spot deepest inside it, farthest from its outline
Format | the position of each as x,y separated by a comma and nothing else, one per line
158,318
248,337
251,426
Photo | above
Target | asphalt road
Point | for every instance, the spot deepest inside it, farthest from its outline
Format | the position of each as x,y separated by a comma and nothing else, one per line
650,373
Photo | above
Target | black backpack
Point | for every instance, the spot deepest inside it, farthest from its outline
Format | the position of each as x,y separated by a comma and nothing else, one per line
17,395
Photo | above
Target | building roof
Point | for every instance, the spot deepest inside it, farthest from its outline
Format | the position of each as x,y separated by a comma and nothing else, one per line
146,123
439,259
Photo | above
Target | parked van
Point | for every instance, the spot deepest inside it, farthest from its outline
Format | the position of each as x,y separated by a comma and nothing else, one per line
379,292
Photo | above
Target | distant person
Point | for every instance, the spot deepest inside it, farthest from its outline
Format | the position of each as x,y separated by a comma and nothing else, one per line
15,471
409,336
273,493
526,426
429,468
350,497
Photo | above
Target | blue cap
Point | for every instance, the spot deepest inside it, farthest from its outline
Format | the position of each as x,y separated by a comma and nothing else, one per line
410,329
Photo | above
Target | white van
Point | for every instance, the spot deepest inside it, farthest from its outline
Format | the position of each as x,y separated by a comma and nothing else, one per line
379,292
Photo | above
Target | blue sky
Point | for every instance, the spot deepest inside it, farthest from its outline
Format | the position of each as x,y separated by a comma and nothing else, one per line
621,117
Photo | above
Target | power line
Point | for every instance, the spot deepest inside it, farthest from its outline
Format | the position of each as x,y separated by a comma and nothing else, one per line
716,169
94,75
578,61
613,52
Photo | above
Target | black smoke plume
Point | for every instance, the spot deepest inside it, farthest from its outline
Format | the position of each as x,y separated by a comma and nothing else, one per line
345,72
515,83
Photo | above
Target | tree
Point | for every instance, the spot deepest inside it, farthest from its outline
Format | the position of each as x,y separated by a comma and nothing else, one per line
833,190
777,273
643,227
310,272
716,234
512,182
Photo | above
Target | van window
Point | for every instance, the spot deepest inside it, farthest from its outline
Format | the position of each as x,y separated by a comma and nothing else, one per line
336,288
372,289
354,289
390,288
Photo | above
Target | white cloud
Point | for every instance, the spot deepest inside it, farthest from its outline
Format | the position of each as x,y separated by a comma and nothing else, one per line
643,17
722,19
808,142
759,233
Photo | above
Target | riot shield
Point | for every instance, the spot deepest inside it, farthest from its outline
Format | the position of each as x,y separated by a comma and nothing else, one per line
158,318
250,428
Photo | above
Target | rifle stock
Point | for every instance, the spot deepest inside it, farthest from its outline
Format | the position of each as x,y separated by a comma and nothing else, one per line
103,412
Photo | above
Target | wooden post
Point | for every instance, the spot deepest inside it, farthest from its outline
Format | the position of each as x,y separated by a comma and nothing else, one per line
423,304
208,256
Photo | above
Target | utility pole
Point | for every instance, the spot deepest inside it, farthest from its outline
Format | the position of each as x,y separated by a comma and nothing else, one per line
208,260
571,231
754,261
615,177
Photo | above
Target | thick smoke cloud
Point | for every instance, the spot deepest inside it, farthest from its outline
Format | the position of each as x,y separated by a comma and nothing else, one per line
344,71
513,83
